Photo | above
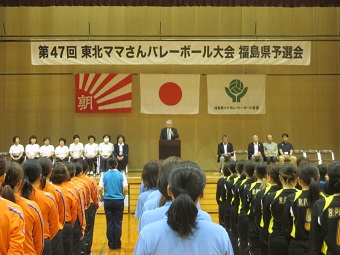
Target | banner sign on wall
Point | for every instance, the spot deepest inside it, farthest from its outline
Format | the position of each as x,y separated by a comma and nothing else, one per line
171,53
103,93
236,94
169,93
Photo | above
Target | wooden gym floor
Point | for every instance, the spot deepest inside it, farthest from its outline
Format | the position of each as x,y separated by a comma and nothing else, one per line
129,235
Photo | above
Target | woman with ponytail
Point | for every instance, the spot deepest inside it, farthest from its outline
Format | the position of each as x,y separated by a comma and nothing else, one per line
242,191
273,179
273,207
297,211
34,236
47,186
325,224
249,205
184,230
46,202
12,226
58,177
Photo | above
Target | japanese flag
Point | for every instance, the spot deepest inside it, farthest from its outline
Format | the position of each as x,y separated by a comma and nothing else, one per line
169,93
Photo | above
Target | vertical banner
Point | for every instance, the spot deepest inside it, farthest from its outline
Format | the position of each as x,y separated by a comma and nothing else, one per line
236,94
169,93
103,93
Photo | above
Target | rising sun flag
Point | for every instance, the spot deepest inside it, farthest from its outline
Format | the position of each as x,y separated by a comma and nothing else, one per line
103,93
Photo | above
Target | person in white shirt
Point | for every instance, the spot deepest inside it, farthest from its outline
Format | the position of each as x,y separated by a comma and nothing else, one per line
17,150
76,149
47,150
32,149
255,150
105,151
91,152
61,152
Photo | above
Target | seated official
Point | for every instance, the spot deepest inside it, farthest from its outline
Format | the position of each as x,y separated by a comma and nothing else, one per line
224,152
61,152
270,150
121,153
76,149
47,150
17,150
169,132
255,150
286,151
91,152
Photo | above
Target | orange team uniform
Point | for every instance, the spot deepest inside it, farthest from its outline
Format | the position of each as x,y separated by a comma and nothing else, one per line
12,228
71,203
79,196
93,188
34,226
86,189
49,211
61,202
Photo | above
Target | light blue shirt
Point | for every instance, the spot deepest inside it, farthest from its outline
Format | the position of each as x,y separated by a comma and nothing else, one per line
152,201
113,182
159,213
158,239
141,200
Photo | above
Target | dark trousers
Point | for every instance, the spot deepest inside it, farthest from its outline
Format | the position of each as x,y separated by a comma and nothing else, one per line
114,217
75,159
277,245
299,247
234,229
76,234
59,160
271,160
263,241
103,164
47,247
121,165
243,233
92,162
68,238
19,161
91,215
227,217
253,237
57,244
221,213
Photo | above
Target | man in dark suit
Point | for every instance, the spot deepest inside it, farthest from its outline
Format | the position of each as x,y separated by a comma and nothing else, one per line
121,152
168,133
224,151
255,150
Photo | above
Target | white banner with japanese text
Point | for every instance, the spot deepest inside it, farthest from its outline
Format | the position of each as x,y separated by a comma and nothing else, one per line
236,94
171,53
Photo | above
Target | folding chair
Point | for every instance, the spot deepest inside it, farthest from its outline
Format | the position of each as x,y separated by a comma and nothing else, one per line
299,153
241,152
313,156
323,156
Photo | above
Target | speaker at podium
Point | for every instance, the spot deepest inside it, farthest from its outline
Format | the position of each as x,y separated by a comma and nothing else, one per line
169,148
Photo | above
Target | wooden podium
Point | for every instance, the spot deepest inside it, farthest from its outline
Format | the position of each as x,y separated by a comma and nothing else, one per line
168,148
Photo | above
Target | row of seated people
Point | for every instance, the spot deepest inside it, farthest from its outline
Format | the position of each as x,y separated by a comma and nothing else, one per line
270,152
274,209
47,209
94,154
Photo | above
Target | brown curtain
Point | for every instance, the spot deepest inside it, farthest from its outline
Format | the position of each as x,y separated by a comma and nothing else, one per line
274,3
